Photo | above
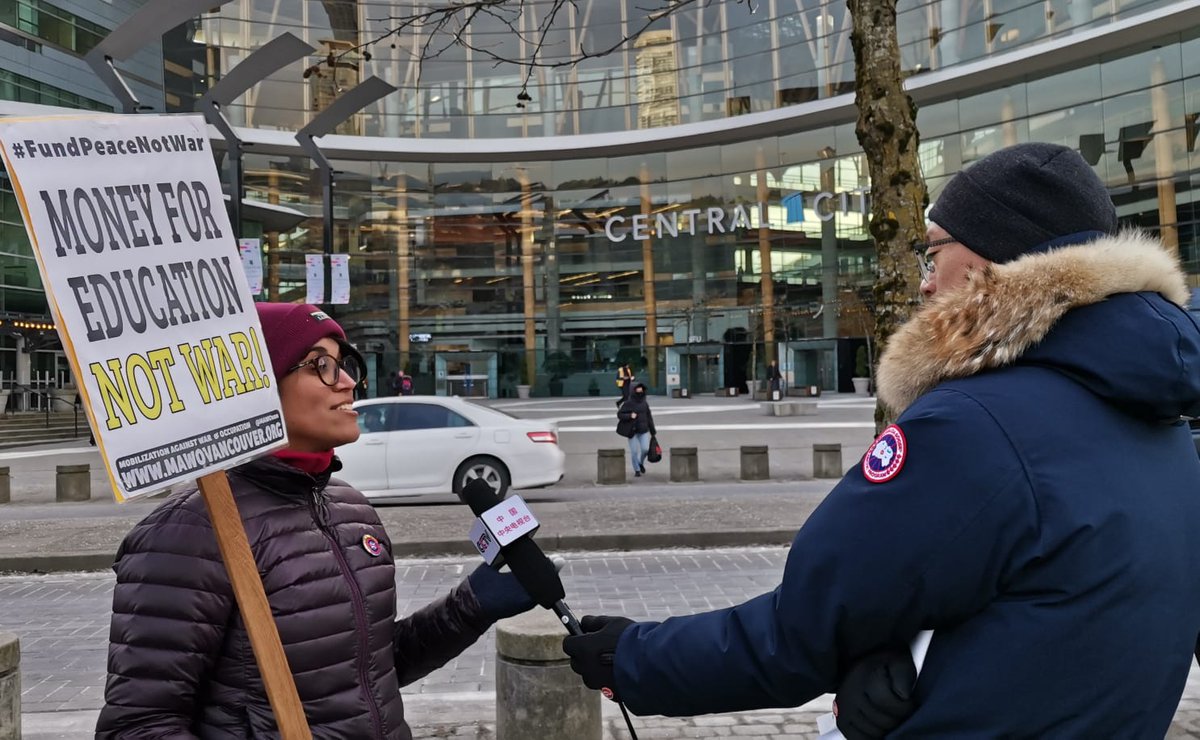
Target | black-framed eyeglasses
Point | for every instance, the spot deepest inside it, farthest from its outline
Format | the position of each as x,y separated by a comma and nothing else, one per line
925,265
330,370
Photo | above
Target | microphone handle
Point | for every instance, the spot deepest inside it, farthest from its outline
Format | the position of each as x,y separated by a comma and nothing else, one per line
567,618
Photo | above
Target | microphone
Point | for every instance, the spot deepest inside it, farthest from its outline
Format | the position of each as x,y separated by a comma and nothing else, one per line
533,570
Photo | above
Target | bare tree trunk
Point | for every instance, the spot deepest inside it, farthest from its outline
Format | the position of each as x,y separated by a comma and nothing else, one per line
888,134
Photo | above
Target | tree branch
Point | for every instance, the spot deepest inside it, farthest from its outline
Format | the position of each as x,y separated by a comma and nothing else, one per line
455,20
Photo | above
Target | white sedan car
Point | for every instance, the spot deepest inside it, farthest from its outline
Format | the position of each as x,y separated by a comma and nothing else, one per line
412,445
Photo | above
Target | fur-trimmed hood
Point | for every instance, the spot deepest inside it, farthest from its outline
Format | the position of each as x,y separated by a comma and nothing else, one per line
1062,309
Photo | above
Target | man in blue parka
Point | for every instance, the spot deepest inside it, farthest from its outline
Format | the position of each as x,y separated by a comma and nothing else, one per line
1036,503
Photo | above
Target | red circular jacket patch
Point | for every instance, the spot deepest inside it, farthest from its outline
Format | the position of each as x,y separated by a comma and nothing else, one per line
372,545
886,455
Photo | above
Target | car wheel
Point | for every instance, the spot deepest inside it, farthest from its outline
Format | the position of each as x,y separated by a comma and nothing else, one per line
489,469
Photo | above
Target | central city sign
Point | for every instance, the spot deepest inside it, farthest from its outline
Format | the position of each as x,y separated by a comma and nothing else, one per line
716,220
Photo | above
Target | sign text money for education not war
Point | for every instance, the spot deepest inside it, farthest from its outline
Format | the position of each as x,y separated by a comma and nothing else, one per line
135,249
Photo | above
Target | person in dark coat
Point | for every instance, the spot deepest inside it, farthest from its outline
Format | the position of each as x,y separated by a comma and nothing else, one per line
774,377
636,423
180,664
1035,504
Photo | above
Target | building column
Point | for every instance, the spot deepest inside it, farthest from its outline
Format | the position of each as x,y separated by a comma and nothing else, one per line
829,253
1008,116
403,253
1164,158
527,280
24,362
648,283
272,247
697,316
767,274
551,296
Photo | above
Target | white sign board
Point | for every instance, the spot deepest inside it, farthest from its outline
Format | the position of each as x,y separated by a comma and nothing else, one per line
314,278
339,271
143,274
251,251
509,520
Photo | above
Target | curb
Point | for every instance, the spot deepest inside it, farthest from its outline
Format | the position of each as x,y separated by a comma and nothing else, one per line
66,563
61,563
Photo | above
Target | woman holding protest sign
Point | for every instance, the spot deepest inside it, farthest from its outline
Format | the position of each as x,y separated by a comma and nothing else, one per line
180,663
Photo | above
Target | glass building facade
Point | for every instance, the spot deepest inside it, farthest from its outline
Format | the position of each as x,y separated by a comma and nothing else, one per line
693,203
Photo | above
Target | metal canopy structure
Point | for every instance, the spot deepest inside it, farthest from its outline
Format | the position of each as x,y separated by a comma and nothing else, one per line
149,23
263,62
348,103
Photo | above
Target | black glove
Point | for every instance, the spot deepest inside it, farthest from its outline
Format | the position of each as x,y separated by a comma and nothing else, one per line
592,653
876,696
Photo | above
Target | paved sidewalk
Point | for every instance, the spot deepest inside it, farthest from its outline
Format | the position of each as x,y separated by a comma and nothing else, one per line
63,621
44,538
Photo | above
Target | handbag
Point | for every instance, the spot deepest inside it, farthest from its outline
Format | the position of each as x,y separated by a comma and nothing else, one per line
655,453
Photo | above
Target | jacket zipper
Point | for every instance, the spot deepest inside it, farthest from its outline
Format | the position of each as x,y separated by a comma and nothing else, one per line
321,515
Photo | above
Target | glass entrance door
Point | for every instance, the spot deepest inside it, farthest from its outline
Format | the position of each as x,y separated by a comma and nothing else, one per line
815,367
467,379
703,372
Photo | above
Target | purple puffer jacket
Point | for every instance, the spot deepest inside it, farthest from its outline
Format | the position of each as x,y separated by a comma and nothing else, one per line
179,658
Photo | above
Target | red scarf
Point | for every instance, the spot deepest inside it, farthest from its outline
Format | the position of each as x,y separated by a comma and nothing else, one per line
312,463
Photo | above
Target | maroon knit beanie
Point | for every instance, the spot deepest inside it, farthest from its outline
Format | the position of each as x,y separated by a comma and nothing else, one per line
291,329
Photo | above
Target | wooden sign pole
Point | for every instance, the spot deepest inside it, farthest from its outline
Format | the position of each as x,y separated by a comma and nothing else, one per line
256,612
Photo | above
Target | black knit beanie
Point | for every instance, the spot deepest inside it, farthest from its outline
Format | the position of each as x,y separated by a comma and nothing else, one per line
1025,198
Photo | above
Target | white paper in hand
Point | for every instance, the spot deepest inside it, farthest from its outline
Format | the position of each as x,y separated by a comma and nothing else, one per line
827,723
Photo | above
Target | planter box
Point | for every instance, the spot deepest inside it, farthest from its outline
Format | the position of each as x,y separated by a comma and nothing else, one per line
806,391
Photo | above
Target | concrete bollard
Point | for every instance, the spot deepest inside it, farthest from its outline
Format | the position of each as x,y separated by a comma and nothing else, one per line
827,461
610,467
755,464
790,408
537,693
10,687
685,465
73,483
5,486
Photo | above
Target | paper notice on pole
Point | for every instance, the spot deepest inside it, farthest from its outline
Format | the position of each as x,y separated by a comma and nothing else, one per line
314,278
251,251
141,271
339,271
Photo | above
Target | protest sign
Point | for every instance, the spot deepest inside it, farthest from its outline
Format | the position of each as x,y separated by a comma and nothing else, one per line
142,272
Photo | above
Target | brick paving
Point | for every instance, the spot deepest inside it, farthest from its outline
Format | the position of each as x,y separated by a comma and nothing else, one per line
62,621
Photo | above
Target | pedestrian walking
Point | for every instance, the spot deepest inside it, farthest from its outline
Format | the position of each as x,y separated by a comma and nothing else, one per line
624,382
180,664
636,423
774,377
1035,504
